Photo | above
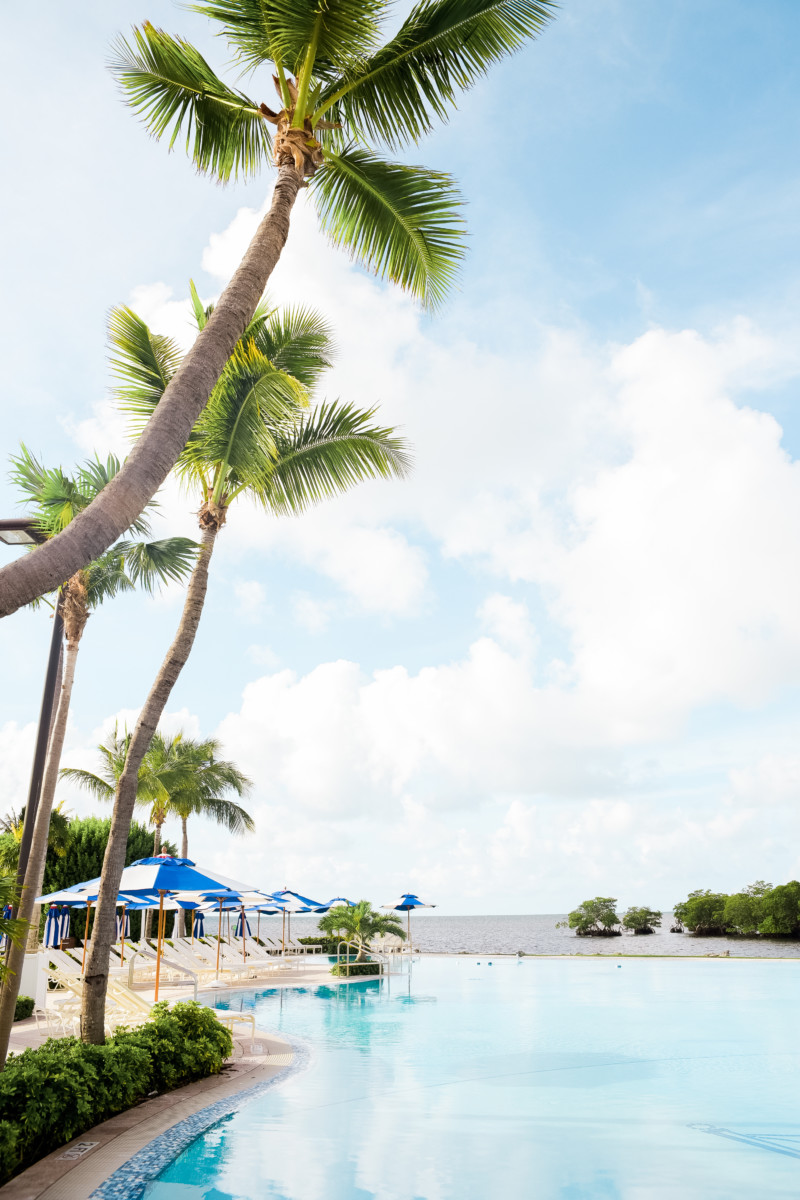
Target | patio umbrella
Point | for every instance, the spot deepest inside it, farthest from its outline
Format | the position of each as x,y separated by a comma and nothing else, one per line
52,928
294,902
64,925
238,930
406,903
163,875
123,924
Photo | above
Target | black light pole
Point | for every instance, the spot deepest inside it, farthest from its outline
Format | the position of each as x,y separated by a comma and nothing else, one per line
21,532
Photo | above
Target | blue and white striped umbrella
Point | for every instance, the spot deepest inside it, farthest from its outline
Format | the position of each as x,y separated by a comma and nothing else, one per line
52,928
65,920
127,930
238,930
406,903
6,913
199,924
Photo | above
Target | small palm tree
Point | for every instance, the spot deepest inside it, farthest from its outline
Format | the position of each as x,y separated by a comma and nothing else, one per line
360,924
258,437
11,825
178,776
342,90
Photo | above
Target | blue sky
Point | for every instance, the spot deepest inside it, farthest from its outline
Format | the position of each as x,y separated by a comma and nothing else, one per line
601,505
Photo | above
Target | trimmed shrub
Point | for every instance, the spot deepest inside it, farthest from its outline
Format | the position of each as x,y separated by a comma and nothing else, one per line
23,1008
366,968
53,1093
330,945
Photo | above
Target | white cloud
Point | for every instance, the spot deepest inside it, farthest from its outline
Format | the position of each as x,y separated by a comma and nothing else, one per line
310,614
251,600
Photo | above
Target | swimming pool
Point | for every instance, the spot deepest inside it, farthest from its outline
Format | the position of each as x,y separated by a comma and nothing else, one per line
568,1079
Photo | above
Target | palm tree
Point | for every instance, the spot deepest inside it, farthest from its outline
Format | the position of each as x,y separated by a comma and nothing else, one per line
56,499
203,781
256,438
11,826
178,777
340,91
360,924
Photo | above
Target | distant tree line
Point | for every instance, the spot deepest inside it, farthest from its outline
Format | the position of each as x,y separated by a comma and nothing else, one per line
760,910
598,918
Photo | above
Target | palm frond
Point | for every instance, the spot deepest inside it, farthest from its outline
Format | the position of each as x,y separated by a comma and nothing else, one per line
297,341
440,50
402,222
330,451
153,564
235,431
97,787
105,576
143,362
281,31
173,89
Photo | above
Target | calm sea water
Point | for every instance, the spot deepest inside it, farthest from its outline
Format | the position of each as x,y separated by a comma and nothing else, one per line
440,933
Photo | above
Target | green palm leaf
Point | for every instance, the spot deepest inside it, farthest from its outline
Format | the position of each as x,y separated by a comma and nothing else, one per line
330,451
151,564
174,90
91,783
281,30
295,340
143,363
402,222
441,49
234,433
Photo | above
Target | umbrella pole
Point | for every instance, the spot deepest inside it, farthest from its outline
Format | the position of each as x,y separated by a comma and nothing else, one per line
86,934
283,934
410,947
122,935
159,940
244,956
192,926
258,931
219,933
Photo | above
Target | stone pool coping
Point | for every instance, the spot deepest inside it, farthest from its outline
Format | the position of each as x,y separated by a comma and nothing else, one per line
132,1147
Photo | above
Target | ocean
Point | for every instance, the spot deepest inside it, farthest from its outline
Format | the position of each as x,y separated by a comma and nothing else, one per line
441,933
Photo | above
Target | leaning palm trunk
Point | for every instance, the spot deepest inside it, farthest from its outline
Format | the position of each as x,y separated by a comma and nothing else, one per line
28,911
96,977
152,458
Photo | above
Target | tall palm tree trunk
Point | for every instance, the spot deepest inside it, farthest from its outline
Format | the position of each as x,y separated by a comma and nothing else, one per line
152,458
96,976
28,911
180,917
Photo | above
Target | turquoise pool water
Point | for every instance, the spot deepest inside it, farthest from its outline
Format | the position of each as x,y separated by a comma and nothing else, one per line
577,1080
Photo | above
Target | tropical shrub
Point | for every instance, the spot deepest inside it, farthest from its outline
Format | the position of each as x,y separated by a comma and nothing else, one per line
23,1008
641,920
360,923
356,968
53,1093
595,918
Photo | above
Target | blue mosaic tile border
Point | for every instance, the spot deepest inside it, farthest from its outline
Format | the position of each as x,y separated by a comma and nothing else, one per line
130,1180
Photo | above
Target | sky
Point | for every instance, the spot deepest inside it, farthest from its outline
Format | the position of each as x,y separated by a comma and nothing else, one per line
562,659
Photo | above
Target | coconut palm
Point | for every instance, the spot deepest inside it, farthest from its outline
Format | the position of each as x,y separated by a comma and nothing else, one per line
344,95
360,923
203,781
258,437
178,777
11,827
56,498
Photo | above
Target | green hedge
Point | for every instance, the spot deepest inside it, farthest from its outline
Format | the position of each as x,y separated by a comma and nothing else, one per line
367,968
330,945
53,1093
23,1008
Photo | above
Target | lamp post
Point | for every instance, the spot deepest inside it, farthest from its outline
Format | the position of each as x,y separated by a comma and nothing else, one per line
19,531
